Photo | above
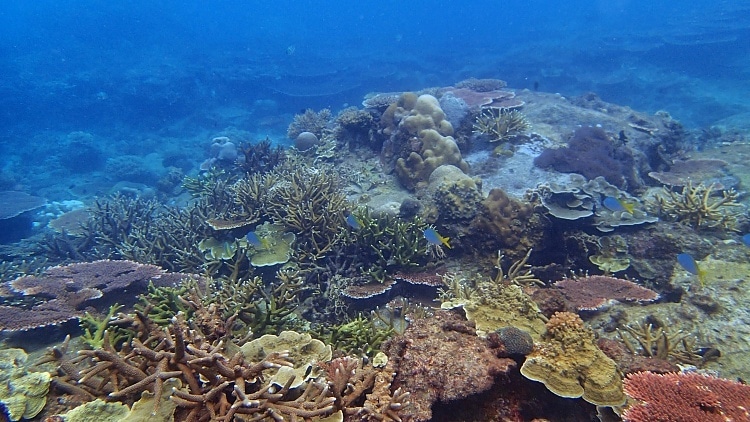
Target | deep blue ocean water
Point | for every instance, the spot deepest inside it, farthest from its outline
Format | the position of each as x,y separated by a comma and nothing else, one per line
144,76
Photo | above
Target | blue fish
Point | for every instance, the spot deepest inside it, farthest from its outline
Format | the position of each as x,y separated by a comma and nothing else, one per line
256,241
617,205
687,262
434,238
746,239
353,222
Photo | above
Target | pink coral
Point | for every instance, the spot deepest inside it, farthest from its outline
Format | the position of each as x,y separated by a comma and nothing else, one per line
685,397
594,292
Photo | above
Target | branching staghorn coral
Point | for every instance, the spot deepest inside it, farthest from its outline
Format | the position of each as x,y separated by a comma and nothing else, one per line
309,202
309,121
501,125
657,341
696,206
218,382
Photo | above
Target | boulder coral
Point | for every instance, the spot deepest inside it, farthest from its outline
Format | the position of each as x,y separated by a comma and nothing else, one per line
570,364
420,138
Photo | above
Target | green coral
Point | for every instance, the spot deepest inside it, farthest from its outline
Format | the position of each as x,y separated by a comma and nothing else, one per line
277,246
161,304
360,336
387,243
95,329
22,392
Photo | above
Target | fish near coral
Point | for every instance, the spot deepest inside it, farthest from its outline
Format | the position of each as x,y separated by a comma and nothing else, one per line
617,205
257,242
353,222
434,238
690,265
746,239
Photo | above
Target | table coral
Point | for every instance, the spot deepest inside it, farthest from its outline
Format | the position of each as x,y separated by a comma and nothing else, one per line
63,291
22,392
570,364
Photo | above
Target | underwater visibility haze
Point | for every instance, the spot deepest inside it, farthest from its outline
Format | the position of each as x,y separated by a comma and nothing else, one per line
374,211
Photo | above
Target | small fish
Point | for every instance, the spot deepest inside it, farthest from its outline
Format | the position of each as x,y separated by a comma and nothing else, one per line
434,238
746,239
687,262
353,222
256,241
616,205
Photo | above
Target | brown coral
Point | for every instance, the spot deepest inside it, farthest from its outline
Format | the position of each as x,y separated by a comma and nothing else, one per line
594,292
570,364
441,359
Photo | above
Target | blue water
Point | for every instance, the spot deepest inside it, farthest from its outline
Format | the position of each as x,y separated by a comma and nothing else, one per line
145,76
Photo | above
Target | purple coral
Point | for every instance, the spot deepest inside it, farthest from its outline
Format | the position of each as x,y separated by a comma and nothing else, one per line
591,153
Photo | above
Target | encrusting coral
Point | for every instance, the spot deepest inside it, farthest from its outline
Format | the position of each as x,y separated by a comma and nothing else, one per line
442,359
22,392
570,364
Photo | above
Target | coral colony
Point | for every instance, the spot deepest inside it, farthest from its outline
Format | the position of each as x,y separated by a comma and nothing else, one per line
462,251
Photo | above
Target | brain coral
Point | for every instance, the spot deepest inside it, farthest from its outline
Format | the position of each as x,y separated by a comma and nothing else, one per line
570,364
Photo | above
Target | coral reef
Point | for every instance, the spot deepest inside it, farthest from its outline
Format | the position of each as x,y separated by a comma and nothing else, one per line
505,223
492,304
309,202
356,128
595,292
696,206
261,157
15,203
581,198
441,359
420,137
301,349
277,246
457,196
686,397
570,364
309,121
22,392
63,291
501,125
592,153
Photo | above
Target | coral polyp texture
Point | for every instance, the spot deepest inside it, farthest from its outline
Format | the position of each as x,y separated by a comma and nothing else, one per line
685,397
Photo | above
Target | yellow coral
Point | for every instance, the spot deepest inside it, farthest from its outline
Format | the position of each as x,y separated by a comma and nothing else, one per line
570,364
